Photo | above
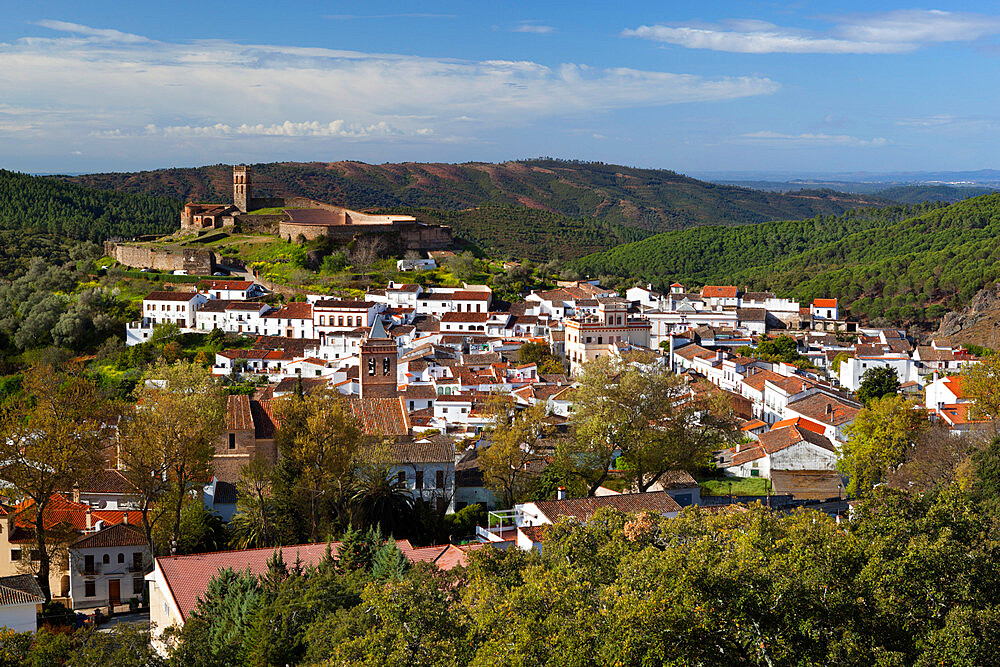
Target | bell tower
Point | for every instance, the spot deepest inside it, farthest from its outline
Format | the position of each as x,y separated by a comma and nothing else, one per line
377,373
241,186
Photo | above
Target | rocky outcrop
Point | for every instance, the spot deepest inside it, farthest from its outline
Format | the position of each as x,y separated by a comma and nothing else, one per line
978,323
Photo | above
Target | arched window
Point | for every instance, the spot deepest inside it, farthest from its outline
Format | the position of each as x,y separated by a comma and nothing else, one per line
322,320
340,321
121,558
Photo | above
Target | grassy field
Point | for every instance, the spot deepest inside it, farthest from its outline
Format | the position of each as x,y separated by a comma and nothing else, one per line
740,486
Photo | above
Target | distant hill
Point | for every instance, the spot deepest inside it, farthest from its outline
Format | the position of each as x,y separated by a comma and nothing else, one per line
908,264
69,210
915,194
652,199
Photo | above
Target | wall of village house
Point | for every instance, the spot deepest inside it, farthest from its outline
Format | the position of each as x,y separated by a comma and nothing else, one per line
430,492
162,612
129,578
803,456
227,462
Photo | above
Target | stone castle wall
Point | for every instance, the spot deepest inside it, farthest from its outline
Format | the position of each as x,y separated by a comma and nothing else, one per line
194,262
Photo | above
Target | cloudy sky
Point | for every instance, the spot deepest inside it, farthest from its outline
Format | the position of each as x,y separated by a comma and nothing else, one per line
708,86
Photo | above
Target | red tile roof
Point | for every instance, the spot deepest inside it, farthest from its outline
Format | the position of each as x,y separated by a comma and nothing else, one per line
293,311
225,284
719,291
187,577
381,416
170,296
118,535
584,508
238,414
825,303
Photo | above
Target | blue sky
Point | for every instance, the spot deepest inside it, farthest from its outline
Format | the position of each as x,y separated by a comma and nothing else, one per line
695,87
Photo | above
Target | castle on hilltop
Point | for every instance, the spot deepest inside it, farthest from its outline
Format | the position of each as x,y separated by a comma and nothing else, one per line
309,219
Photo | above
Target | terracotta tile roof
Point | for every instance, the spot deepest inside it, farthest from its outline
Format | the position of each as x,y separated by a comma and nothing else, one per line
958,414
107,481
433,450
225,284
215,306
825,409
252,306
825,303
692,351
20,589
238,415
170,296
465,317
469,295
352,304
118,535
719,291
381,416
752,424
293,311
800,422
954,383
418,392
677,479
747,454
534,533
296,346
60,511
264,421
187,577
776,440
583,508
757,380
928,353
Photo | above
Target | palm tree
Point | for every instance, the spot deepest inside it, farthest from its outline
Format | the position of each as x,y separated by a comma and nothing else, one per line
379,500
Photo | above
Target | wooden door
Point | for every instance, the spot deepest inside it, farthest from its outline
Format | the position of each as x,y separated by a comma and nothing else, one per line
114,591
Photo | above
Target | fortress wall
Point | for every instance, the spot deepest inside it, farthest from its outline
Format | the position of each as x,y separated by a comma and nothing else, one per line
195,262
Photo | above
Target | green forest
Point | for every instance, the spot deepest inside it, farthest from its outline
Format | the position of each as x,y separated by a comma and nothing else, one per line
907,264
515,232
66,210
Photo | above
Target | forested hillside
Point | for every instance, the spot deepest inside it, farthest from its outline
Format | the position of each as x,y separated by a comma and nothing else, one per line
653,199
909,270
514,232
36,204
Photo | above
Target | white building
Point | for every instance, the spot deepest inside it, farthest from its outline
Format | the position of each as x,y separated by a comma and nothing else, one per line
20,601
230,290
293,320
800,446
107,565
852,371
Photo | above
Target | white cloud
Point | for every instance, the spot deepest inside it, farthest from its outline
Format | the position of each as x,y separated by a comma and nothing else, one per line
101,34
100,84
807,139
532,27
898,31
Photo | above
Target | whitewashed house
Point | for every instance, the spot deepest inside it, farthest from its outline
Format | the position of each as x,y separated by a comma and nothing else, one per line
107,565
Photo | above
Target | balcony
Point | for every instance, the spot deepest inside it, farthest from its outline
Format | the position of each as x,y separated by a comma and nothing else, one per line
501,526
90,570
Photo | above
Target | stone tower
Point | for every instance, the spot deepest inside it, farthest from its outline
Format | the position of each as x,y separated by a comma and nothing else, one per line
241,186
377,374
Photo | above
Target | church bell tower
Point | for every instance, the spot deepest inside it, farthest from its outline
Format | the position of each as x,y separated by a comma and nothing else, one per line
241,186
377,373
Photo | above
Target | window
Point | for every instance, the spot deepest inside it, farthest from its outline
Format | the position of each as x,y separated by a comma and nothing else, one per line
340,321
88,564
15,555
137,586
439,480
121,558
107,559
232,441
402,478
420,479
137,560
89,588
35,555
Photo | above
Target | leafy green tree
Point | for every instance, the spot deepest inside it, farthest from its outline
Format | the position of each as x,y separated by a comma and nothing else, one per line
253,524
878,382
389,563
878,441
321,439
981,383
51,435
515,443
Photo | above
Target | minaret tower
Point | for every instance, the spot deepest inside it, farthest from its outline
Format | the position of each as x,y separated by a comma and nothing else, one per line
241,186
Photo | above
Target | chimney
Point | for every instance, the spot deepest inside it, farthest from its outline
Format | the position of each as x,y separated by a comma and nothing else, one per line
76,492
90,519
561,493
125,518
829,408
